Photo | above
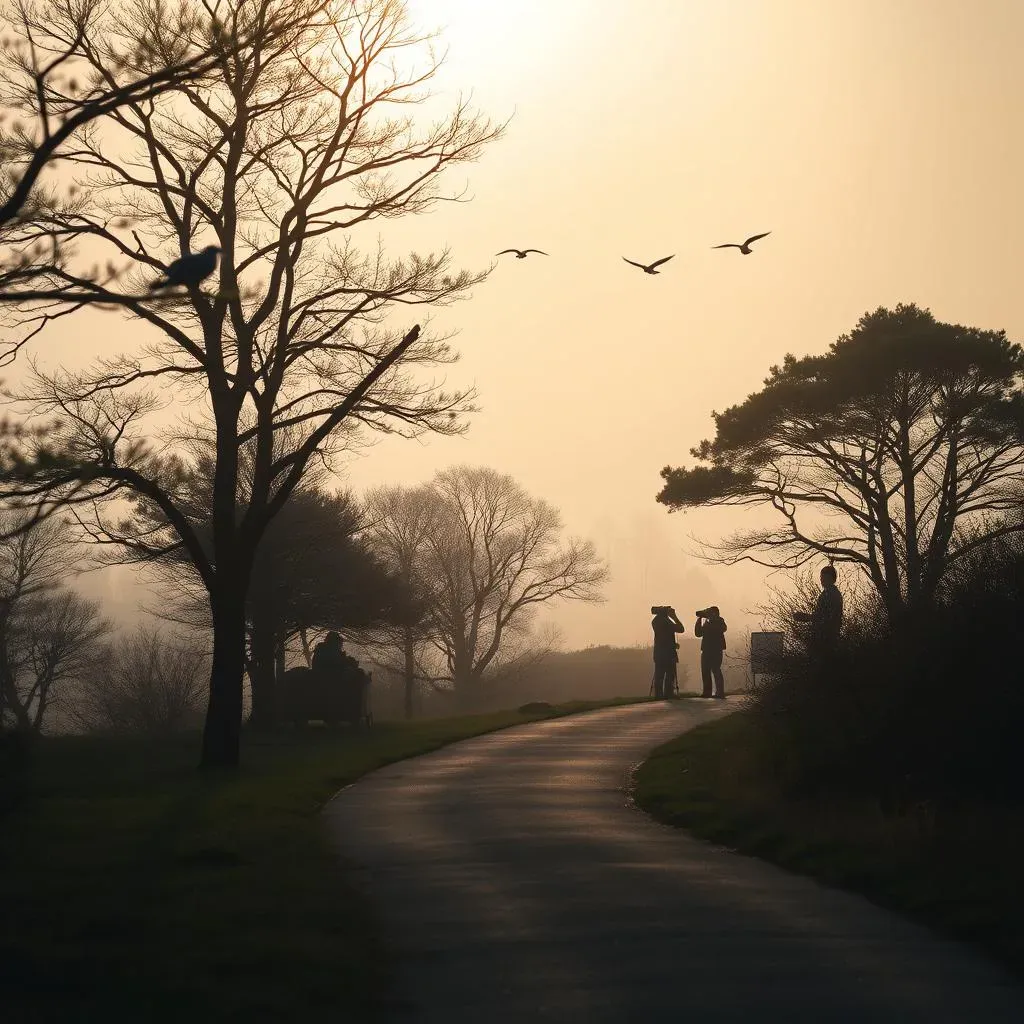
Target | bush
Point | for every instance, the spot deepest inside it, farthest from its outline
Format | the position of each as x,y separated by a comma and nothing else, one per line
929,710
147,683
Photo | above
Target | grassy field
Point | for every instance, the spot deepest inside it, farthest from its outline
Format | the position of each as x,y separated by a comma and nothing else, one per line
133,888
954,867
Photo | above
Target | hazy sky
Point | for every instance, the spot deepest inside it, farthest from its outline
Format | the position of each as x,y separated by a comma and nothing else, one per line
880,141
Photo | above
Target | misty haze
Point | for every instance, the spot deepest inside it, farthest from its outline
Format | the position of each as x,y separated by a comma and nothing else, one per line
511,510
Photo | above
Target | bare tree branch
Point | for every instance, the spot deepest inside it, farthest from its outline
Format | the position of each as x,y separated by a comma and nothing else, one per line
883,453
482,555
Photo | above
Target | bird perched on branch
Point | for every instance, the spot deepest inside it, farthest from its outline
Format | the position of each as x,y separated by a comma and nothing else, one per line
521,253
649,268
745,247
190,270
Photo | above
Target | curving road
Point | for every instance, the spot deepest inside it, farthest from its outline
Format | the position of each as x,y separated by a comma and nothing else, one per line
516,881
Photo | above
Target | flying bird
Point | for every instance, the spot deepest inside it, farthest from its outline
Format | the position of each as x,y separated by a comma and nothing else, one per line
190,270
649,269
745,247
521,253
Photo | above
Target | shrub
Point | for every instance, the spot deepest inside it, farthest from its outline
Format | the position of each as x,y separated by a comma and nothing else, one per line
932,708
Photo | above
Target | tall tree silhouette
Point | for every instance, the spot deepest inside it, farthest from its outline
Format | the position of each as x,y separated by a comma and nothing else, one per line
900,451
314,570
303,139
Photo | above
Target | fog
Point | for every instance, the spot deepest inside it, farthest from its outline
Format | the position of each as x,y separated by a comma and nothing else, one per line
876,141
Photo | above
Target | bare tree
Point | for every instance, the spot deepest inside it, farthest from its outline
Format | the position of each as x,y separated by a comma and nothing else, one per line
293,149
147,682
49,635
487,556
400,521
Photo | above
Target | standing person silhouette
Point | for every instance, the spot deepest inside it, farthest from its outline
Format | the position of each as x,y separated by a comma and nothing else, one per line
826,620
665,625
711,627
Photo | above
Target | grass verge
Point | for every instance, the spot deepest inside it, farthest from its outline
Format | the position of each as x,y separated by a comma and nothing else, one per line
133,888
954,867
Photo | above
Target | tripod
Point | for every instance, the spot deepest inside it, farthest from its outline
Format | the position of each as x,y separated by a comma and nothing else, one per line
673,679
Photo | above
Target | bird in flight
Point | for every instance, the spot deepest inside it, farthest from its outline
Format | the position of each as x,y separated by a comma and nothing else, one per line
649,268
521,253
745,247
190,270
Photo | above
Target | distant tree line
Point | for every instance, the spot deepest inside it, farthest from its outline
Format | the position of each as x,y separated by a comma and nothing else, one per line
460,596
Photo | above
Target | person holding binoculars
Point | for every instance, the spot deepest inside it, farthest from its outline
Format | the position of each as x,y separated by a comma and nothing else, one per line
711,627
665,625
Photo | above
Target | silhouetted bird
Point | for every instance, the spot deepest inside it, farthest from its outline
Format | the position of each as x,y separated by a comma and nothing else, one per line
190,270
521,253
745,247
649,269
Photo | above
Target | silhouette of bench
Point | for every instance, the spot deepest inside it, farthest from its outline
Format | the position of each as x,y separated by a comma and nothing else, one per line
307,696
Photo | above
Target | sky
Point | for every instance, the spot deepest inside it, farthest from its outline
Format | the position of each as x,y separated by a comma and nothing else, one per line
879,141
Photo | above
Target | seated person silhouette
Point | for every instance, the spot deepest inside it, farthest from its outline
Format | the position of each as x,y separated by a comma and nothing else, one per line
330,657
333,666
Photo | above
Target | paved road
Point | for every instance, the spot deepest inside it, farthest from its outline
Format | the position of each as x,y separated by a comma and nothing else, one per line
517,882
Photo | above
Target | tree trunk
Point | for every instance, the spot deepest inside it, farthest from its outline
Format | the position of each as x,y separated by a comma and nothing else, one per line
410,674
3,659
910,531
223,729
463,683
262,677
14,708
10,705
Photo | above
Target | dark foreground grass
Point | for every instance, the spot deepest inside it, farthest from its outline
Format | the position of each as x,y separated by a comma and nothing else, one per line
133,888
955,868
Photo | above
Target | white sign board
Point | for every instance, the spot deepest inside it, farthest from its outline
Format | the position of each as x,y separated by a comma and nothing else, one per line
765,649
